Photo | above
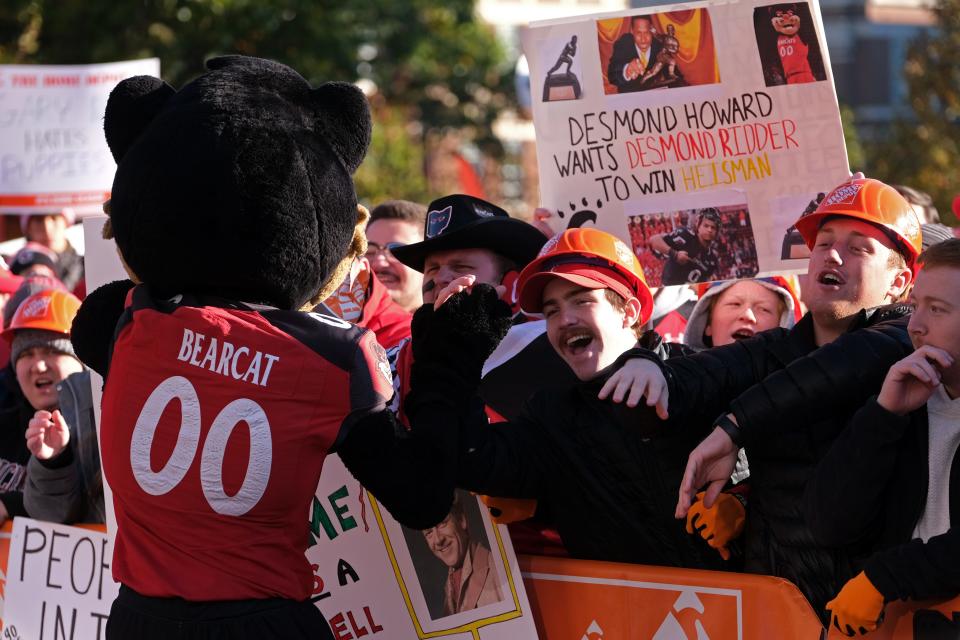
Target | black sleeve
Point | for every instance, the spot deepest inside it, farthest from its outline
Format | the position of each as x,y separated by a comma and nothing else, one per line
414,476
500,459
619,59
837,378
411,475
93,327
702,385
13,502
845,499
671,238
918,570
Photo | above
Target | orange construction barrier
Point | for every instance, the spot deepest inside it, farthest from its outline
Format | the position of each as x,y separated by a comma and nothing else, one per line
583,600
6,531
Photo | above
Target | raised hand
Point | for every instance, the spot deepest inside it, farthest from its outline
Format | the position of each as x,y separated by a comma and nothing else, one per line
638,378
911,382
711,463
47,434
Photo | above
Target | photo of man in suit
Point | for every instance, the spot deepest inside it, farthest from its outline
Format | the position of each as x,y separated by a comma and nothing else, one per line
633,54
472,580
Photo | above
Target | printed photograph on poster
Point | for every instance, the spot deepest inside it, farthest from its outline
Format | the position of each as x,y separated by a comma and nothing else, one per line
657,51
701,244
788,45
562,80
455,566
786,211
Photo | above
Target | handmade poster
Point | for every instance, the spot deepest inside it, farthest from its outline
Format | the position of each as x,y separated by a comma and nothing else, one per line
58,582
52,150
698,136
457,580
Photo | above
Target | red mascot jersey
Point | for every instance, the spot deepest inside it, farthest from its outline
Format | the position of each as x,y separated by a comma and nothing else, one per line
793,57
217,417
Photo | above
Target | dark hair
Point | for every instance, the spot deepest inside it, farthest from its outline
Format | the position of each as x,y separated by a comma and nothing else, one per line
646,17
921,199
399,210
942,254
772,9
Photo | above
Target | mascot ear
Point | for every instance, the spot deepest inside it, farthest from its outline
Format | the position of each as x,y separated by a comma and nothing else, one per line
343,120
132,105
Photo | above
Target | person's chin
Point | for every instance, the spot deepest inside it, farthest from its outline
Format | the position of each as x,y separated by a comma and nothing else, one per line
583,365
825,307
389,280
43,402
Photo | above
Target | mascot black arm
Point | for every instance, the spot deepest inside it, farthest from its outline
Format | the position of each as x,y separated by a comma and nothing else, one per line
95,324
414,475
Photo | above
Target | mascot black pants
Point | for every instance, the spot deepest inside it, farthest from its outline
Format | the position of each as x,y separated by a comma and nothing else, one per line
137,617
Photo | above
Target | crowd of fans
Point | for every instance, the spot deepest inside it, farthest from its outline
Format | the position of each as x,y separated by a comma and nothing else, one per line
601,467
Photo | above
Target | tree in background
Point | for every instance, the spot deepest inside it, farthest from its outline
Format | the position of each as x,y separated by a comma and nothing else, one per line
924,151
394,166
431,61
855,154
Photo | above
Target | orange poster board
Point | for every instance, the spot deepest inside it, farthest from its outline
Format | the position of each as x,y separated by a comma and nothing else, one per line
583,600
5,532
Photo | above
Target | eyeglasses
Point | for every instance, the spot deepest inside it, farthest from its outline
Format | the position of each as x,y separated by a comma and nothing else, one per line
374,249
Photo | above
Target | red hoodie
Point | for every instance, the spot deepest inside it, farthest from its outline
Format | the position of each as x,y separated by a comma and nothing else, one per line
383,316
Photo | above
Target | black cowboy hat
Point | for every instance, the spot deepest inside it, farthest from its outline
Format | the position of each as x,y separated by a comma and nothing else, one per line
463,222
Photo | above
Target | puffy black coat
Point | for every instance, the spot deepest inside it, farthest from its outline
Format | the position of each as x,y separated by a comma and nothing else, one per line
791,401
867,496
608,474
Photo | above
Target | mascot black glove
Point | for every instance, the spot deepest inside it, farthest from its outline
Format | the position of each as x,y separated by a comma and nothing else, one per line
450,344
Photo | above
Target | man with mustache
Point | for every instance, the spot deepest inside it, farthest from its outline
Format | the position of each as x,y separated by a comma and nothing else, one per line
607,484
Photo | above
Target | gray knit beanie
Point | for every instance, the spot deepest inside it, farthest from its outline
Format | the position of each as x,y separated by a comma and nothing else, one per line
24,339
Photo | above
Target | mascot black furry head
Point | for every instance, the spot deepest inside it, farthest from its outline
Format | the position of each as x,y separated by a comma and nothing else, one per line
238,185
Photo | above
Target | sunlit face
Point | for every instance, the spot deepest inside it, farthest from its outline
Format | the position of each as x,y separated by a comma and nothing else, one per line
936,317
39,370
850,270
707,231
449,540
443,267
48,230
642,32
741,311
583,327
401,281
785,21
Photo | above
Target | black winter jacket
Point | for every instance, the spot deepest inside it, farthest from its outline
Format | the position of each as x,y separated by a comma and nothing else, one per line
869,493
15,415
790,407
607,473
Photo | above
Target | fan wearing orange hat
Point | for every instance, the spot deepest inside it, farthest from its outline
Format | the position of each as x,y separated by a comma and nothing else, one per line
864,240
604,471
42,357
590,289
